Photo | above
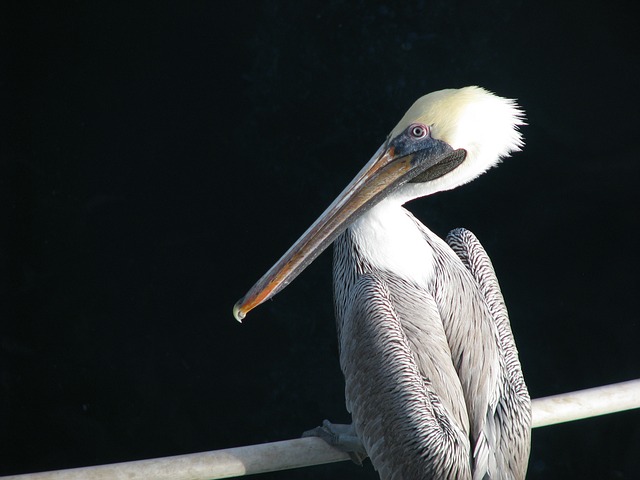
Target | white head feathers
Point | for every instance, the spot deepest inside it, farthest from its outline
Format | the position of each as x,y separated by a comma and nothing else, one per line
472,118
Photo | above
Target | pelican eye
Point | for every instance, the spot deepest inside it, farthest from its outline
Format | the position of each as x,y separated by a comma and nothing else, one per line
418,130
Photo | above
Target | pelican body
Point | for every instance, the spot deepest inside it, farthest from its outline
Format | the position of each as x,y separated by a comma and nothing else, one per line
432,376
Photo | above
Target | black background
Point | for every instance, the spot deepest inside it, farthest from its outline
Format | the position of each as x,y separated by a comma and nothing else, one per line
157,158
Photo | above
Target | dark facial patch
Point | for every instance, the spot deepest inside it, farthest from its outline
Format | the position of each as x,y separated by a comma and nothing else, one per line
444,166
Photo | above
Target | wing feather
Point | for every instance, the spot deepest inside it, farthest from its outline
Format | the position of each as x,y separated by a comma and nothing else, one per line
502,449
397,412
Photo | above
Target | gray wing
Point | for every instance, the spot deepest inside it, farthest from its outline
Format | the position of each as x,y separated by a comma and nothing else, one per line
508,421
392,392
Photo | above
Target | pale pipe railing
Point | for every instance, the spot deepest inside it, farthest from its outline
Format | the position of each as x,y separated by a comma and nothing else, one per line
304,452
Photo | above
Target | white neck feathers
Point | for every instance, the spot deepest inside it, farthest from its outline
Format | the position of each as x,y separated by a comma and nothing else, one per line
389,238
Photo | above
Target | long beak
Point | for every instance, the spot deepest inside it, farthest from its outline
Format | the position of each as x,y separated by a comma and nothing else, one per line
381,175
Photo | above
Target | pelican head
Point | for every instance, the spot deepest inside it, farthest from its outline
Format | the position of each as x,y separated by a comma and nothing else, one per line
446,139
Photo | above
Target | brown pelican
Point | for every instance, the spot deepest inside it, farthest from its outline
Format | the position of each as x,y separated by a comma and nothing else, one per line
433,380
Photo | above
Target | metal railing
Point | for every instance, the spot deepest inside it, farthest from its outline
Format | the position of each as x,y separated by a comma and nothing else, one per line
305,452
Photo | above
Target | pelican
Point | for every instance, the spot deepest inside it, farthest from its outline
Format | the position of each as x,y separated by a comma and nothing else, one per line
432,376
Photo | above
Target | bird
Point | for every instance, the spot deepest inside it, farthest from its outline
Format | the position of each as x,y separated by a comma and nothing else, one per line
433,381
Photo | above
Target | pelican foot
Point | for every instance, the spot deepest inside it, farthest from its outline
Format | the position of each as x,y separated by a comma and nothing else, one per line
341,436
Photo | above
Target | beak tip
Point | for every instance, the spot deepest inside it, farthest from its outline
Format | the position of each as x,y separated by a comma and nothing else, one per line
237,312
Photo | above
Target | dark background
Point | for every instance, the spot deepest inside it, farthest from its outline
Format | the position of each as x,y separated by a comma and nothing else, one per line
157,158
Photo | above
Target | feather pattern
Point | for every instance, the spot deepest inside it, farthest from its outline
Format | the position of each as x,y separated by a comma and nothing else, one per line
432,376
399,414
509,421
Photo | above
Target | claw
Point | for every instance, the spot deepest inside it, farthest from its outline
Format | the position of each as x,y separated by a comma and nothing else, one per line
341,436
